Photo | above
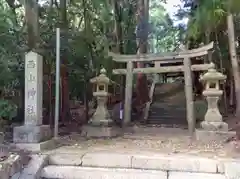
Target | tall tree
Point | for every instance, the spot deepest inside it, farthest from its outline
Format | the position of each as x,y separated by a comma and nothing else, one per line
65,110
234,60
142,40
32,20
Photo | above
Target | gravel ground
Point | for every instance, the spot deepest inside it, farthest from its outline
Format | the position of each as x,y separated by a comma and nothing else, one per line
173,141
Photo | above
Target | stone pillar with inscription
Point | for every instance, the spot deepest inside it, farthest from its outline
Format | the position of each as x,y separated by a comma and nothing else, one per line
33,135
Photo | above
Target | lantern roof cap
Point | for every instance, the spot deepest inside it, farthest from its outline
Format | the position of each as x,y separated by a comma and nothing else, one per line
212,74
101,78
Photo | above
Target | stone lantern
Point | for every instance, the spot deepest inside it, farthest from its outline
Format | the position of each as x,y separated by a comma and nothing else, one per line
101,115
101,123
213,127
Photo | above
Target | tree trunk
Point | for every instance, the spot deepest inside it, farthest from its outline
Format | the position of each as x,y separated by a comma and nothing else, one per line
232,98
142,39
118,48
235,67
31,17
65,113
222,71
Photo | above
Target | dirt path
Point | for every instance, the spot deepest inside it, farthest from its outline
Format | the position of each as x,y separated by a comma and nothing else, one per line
167,141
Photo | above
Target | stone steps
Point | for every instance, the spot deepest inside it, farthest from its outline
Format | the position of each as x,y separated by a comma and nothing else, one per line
130,165
168,105
74,172
168,115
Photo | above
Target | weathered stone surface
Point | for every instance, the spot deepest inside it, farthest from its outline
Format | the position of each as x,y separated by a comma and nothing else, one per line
106,159
189,175
15,161
220,166
27,176
34,167
232,170
4,150
214,126
10,166
36,163
37,147
33,89
175,163
63,172
214,136
66,159
213,114
101,131
31,134
4,170
20,175
16,175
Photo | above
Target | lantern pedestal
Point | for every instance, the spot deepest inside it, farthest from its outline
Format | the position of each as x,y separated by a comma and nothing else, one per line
101,115
101,123
213,129
92,131
212,97
207,137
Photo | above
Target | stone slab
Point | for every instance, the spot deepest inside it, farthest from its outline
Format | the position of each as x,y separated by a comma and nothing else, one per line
232,170
222,162
175,163
16,163
36,147
214,136
189,175
214,126
4,150
16,175
63,172
90,131
66,159
13,164
4,171
31,134
34,167
107,159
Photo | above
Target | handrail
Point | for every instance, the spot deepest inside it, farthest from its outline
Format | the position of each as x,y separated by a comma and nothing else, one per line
148,104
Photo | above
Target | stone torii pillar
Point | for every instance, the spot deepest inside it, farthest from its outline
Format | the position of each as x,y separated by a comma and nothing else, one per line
33,135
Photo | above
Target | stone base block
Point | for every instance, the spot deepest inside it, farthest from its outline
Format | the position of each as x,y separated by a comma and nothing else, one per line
214,126
101,131
101,173
31,134
214,136
36,147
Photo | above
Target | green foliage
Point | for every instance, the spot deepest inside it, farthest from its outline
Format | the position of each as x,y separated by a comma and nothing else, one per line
206,17
8,110
11,37
90,32
209,15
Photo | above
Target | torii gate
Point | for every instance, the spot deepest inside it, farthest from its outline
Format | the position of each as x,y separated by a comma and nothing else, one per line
164,57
